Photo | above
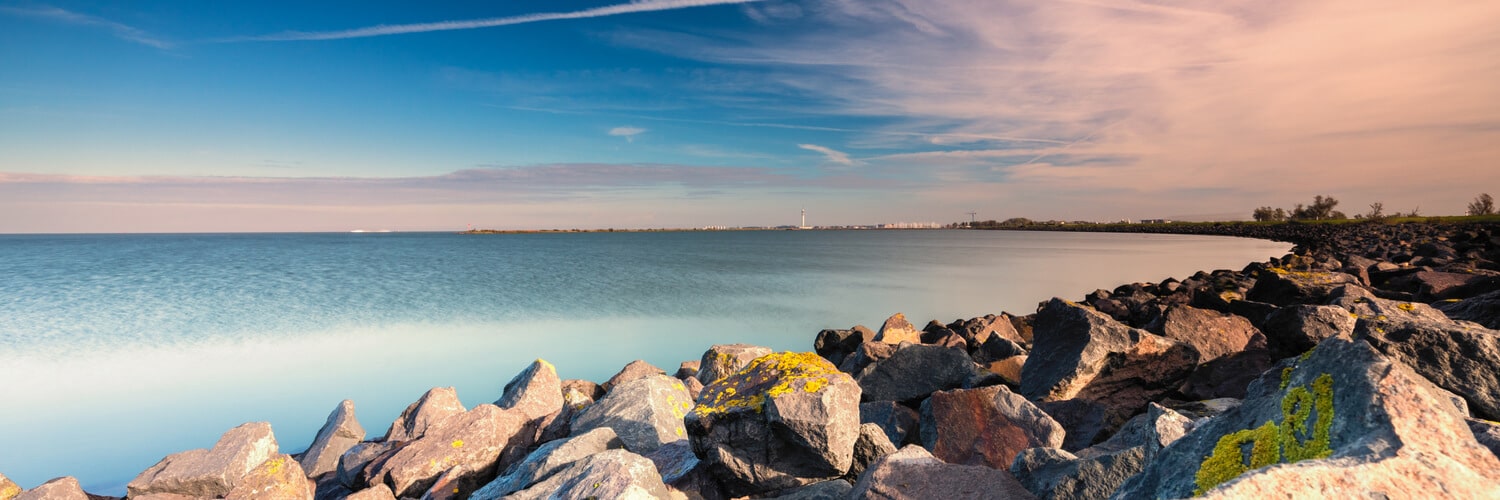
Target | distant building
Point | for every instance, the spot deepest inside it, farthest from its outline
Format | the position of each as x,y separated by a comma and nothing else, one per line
1156,221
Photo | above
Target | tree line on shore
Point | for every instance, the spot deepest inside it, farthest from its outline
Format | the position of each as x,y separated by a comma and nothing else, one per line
1322,208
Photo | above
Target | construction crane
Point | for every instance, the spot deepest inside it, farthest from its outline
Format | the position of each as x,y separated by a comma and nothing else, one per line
971,217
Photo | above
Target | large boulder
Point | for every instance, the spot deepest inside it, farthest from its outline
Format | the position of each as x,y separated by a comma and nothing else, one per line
1052,474
914,372
899,422
985,426
339,433
478,441
1294,329
1156,429
353,463
722,360
785,420
1212,333
1460,357
1439,285
546,460
537,393
434,406
871,445
645,413
62,488
1483,309
913,473
8,489
607,474
1078,353
1283,287
278,477
684,472
212,472
896,330
1083,420
634,370
1343,422
1228,376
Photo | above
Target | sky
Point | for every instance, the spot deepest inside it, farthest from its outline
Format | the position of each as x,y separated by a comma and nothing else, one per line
189,116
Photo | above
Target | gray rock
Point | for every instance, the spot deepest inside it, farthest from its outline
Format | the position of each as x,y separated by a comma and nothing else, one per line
913,473
1082,420
836,489
1227,376
1205,409
62,488
1213,334
607,474
914,372
645,413
871,445
212,472
479,441
786,420
546,460
896,330
1294,329
1078,479
377,492
1460,357
352,464
899,422
985,426
1487,433
995,348
865,354
681,469
688,369
1483,309
437,404
537,393
1152,431
635,370
278,477
1284,287
592,390
723,360
1345,421
341,432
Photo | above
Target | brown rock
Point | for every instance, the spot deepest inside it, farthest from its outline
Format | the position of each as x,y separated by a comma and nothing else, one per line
377,492
212,472
1008,369
479,440
592,390
537,393
866,353
8,489
339,433
645,413
437,404
913,473
723,360
62,488
279,477
637,369
897,330
1212,333
688,369
985,426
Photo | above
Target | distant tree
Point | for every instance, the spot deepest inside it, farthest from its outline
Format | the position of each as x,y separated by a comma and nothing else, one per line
1377,211
1016,221
1337,215
1264,214
1322,208
1482,205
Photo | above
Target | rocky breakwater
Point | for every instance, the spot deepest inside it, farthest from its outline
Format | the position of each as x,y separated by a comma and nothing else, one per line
1366,365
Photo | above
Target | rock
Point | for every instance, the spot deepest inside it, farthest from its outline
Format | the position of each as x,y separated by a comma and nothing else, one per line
866,353
683,472
1347,421
478,441
1459,357
836,489
869,447
1082,420
835,345
536,392
584,387
341,432
1487,433
912,373
977,331
645,413
996,348
607,474
723,360
896,330
352,464
1437,285
279,477
688,369
212,472
437,404
1228,376
62,488
946,339
899,422
546,460
912,473
1081,354
694,387
1009,369
377,492
1151,431
1295,329
1200,410
985,426
637,369
1213,334
1085,478
1282,287
8,489
1255,312
785,420
1482,309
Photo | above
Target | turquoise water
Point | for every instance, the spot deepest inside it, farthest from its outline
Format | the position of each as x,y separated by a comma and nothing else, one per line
116,350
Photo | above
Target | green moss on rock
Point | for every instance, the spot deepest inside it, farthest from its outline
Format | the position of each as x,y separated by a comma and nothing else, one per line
1304,433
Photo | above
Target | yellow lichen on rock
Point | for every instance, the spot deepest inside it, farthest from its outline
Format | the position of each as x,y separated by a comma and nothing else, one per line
1228,459
768,376
1294,440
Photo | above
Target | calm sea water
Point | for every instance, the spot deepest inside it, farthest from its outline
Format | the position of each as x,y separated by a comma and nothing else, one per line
116,350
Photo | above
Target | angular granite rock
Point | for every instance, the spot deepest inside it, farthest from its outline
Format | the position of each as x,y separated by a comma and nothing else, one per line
688,369
1283,287
1212,333
869,447
836,489
352,464
635,370
1009,369
1156,429
1083,421
645,413
341,432
435,405
896,330
1294,329
899,422
546,460
1227,376
212,472
607,474
377,492
587,388
913,473
865,354
1487,433
62,488
914,372
8,489
785,420
684,472
1460,357
1047,474
479,441
1343,422
537,393
1483,309
278,477
723,360
985,426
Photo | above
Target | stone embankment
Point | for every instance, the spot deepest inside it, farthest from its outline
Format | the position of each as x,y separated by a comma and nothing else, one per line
1364,365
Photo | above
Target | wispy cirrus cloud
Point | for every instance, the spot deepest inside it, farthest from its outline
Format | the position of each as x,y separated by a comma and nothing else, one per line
119,30
627,132
832,155
469,24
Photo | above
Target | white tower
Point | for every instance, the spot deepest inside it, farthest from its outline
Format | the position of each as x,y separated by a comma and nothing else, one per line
804,218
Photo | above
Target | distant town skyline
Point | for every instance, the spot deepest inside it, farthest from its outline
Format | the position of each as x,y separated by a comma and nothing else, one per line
184,116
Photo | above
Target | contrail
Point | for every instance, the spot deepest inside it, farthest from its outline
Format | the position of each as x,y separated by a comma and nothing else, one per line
469,24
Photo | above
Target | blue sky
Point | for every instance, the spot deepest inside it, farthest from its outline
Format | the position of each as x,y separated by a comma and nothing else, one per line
265,116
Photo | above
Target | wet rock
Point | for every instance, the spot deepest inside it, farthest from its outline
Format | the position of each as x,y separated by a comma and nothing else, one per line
785,420
353,463
1228,376
896,330
637,369
913,473
899,422
607,474
377,492
62,488
912,373
1459,357
437,404
279,477
1295,329
836,489
8,489
1213,334
684,473
478,441
723,360
1483,309
536,392
341,432
212,472
645,413
869,447
1085,478
1282,287
985,426
864,355
1346,420
546,460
